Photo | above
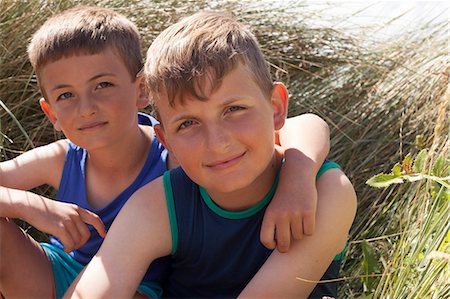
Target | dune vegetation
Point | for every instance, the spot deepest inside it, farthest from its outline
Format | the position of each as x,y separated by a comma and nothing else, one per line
387,105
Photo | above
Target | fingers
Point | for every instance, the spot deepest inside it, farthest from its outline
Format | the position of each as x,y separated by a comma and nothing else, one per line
94,220
309,223
279,229
276,234
83,233
267,234
297,228
74,232
69,235
283,235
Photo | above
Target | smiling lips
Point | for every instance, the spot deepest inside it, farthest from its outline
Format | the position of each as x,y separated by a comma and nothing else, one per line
226,163
92,126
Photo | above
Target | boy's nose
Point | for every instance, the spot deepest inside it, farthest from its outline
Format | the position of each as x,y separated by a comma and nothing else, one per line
217,138
87,107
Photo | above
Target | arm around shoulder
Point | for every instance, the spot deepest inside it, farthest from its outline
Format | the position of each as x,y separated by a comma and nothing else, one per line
288,274
306,143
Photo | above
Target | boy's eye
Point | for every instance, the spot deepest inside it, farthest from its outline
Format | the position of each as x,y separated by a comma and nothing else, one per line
65,96
234,108
185,124
103,85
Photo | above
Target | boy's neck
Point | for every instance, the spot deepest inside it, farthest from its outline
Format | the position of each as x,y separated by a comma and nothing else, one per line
126,155
245,198
110,171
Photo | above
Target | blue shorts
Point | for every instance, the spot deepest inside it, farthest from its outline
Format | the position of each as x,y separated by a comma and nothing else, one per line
65,269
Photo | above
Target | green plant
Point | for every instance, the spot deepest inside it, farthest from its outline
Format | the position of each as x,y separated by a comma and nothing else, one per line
414,171
418,263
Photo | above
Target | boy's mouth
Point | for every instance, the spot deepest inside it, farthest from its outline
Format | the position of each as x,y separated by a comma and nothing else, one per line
225,163
92,125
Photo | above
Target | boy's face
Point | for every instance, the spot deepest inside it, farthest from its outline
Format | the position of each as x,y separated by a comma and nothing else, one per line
225,143
91,98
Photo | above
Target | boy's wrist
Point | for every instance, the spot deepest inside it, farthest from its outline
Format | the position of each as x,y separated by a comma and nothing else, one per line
305,166
11,205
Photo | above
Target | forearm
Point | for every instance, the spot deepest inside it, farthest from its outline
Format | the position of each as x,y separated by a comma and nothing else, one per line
14,203
24,205
306,140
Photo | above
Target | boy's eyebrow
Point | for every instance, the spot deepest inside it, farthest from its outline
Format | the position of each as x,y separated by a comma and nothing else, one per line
180,117
185,115
60,86
100,75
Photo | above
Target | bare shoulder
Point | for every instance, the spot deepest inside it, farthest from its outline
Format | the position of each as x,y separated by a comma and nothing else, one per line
41,165
336,207
334,188
336,198
151,193
148,131
146,205
146,213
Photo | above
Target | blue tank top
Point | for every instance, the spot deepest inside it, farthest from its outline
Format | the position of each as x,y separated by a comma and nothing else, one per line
72,189
215,253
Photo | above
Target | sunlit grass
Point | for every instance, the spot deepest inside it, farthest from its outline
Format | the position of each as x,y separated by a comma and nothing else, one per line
381,102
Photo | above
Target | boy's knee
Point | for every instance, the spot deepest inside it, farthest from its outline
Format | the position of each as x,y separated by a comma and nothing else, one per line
6,227
8,232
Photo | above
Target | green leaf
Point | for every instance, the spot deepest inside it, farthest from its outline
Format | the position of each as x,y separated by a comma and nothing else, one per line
383,180
369,265
438,167
419,162
397,170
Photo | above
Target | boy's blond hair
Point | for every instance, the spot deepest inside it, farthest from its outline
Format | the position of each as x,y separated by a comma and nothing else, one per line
86,30
202,48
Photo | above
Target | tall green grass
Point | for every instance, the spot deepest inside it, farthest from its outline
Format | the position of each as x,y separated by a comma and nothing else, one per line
381,101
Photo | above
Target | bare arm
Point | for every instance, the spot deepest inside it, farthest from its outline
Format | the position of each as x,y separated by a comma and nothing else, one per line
63,220
139,234
306,141
309,257
42,165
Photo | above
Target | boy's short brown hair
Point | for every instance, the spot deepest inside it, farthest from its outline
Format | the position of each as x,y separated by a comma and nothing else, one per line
86,30
202,48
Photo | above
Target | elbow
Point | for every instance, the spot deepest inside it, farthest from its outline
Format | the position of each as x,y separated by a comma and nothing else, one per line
320,122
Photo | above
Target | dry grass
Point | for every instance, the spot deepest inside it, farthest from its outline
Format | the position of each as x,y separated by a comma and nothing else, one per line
376,100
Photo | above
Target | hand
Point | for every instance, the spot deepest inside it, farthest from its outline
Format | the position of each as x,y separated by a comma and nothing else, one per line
67,222
292,211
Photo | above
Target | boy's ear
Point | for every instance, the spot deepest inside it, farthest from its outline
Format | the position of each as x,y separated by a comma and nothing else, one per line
142,101
280,100
159,131
45,106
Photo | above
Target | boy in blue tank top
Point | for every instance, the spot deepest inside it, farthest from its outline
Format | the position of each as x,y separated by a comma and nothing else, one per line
220,113
86,60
